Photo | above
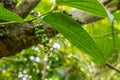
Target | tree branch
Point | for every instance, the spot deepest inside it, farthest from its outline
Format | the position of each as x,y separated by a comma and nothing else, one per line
16,37
25,7
89,18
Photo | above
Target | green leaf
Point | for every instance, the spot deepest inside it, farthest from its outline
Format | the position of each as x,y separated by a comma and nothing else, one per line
8,15
73,31
91,6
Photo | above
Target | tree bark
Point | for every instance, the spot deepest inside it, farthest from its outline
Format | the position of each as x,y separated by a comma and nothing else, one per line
16,37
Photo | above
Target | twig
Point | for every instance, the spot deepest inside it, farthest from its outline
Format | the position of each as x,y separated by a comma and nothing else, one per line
11,22
112,67
13,60
113,37
105,35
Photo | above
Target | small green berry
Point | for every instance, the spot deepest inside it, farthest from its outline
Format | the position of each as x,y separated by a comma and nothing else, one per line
39,32
65,12
36,29
80,22
39,36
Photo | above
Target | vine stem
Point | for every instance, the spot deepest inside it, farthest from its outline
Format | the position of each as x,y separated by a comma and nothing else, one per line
53,8
113,37
13,22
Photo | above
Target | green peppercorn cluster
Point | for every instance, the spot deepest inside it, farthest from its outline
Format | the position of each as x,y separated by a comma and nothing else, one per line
40,34
68,14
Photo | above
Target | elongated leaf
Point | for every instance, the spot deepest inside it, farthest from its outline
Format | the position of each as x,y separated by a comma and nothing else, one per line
91,6
8,15
75,34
